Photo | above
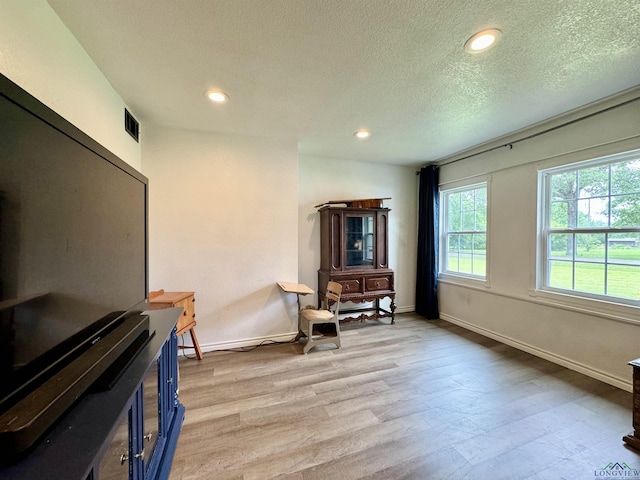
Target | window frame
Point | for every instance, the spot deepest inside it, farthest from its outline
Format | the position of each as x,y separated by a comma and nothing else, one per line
544,231
443,272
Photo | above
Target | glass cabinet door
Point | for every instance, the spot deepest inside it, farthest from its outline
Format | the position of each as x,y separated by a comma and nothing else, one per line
359,240
115,464
151,414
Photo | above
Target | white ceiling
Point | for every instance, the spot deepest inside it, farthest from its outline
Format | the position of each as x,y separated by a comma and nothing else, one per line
315,71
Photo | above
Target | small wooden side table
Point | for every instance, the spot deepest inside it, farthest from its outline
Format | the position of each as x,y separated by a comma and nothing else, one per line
187,321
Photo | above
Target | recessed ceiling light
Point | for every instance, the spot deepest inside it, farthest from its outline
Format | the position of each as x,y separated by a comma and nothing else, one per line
217,96
362,133
482,41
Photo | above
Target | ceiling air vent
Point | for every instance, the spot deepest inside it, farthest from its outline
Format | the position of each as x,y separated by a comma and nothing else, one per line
131,125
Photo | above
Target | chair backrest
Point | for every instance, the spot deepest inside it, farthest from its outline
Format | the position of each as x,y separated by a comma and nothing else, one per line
332,296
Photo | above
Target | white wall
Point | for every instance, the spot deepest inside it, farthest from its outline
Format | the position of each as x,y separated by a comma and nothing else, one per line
223,223
324,179
227,206
589,337
38,53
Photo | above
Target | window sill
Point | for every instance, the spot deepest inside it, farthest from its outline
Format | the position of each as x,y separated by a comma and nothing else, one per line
576,302
465,280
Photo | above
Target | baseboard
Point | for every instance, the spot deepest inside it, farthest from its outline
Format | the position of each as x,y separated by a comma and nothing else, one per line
409,309
248,342
538,352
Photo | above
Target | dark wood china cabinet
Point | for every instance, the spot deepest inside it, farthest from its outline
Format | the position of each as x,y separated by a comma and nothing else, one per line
354,251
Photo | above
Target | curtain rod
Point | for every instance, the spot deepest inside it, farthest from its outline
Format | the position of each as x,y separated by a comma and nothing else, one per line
548,130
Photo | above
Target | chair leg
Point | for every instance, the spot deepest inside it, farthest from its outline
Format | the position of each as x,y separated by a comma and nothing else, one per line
309,345
311,342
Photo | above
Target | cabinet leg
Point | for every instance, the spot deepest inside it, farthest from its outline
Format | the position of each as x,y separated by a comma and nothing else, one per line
632,440
393,311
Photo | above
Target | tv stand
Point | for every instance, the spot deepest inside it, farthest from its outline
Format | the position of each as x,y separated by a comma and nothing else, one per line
25,422
78,445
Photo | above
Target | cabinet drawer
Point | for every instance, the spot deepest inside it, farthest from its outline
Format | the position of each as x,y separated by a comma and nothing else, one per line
374,284
350,286
188,314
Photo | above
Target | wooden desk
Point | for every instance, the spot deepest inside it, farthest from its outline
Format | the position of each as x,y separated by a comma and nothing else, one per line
187,321
297,288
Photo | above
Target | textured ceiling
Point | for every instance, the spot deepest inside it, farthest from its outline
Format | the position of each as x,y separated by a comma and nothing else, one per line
315,71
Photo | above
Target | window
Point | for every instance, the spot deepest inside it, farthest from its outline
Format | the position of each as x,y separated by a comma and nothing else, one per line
463,244
590,228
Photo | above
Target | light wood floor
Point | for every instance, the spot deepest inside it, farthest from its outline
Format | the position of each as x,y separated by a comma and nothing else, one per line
415,400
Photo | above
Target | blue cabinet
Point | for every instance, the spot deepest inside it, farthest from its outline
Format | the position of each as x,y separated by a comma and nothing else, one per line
143,446
128,432
169,414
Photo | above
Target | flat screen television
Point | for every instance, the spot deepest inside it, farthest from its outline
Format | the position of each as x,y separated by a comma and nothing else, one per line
73,264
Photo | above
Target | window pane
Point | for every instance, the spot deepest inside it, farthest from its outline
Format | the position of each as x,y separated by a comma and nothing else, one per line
559,215
624,247
479,264
624,281
479,254
561,274
563,186
572,214
481,219
468,220
453,212
590,277
452,257
466,243
466,264
561,245
453,263
625,210
481,198
467,201
593,212
454,243
454,201
480,243
590,247
593,182
625,177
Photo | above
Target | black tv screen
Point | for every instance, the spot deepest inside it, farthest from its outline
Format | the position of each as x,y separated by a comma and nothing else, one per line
73,240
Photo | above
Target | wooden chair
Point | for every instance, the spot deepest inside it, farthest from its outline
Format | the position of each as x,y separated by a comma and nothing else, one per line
322,325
